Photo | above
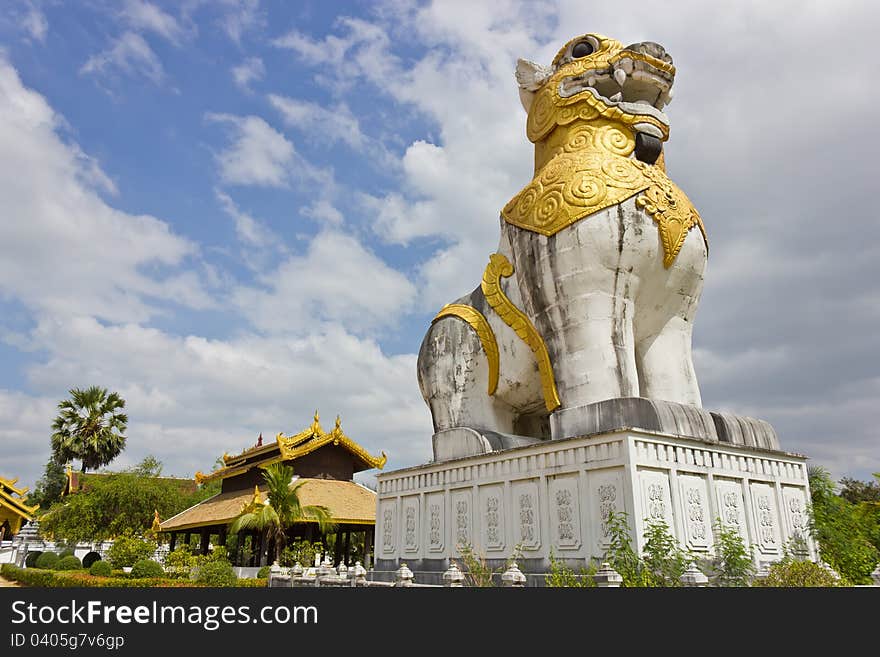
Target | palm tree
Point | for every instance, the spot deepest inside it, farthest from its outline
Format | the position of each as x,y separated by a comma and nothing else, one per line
281,510
89,427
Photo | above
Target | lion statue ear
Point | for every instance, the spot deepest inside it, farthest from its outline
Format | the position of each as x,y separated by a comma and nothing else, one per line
530,77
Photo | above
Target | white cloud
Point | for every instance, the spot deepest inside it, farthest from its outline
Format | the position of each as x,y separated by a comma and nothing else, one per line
35,24
324,211
239,17
337,280
145,16
131,55
189,399
250,231
63,250
258,154
321,123
250,70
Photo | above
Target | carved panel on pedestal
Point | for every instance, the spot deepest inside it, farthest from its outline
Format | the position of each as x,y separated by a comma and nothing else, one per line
410,517
796,511
766,518
565,515
436,522
695,512
525,498
606,495
387,519
492,511
731,510
656,502
462,514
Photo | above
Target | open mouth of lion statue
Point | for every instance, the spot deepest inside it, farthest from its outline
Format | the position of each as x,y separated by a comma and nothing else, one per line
635,80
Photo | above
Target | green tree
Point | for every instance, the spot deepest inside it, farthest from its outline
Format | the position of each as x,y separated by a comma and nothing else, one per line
49,487
89,427
111,505
841,529
282,509
733,564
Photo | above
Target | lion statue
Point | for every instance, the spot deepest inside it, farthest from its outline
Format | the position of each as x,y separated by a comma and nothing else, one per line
592,293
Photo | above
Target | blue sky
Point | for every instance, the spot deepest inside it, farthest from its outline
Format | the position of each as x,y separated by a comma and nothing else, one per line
235,212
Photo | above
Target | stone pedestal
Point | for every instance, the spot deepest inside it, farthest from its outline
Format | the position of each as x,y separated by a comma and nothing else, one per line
553,497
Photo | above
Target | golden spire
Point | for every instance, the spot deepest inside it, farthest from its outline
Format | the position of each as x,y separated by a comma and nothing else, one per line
156,528
257,498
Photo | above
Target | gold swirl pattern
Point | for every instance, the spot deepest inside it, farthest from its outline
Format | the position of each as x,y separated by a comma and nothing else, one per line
500,266
481,327
673,212
591,182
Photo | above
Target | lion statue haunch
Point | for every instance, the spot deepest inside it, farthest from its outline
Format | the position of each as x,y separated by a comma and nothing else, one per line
593,291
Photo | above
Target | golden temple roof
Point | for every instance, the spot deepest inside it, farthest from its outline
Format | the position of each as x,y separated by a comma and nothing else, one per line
347,501
12,499
287,448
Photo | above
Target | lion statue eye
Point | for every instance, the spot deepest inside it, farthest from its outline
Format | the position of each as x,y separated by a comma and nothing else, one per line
582,49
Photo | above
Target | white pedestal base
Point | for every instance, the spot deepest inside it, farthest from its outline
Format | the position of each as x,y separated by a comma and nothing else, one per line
553,497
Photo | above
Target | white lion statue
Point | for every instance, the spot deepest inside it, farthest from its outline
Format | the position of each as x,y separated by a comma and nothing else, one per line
593,291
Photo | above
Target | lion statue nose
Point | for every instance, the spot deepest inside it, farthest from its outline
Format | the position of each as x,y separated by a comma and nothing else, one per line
651,49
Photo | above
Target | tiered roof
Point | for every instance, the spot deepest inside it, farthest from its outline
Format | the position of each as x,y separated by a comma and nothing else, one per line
13,507
288,448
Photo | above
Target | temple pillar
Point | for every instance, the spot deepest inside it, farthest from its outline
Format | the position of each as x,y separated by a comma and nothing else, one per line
368,548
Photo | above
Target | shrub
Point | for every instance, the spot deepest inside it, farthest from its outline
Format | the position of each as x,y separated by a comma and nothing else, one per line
90,558
263,572
47,561
561,576
216,573
733,564
795,573
30,561
180,561
66,552
664,560
620,553
101,569
147,568
301,551
126,550
260,582
69,562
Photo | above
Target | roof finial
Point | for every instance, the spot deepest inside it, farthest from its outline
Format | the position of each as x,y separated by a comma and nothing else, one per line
156,524
338,422
260,440
316,415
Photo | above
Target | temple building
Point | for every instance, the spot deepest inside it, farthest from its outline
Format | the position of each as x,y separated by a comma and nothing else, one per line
325,461
14,511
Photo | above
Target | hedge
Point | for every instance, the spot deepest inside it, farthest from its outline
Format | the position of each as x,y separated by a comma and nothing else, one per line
72,579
